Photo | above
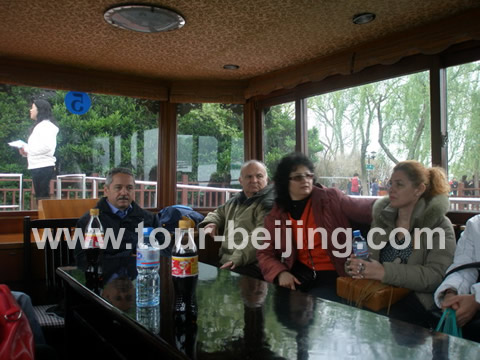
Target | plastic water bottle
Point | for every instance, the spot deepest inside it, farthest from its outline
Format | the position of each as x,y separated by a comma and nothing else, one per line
360,248
148,264
149,316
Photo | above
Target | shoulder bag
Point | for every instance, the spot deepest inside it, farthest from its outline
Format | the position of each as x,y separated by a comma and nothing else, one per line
448,323
371,294
16,337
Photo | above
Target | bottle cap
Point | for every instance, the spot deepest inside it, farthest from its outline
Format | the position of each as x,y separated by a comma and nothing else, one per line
186,223
356,233
94,212
147,231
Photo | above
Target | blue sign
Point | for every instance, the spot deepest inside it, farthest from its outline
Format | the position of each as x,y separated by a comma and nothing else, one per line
77,102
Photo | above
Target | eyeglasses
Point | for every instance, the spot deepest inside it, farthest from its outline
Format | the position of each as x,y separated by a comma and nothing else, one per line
300,177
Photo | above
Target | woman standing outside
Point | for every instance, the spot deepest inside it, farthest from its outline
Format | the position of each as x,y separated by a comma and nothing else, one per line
301,205
417,199
41,147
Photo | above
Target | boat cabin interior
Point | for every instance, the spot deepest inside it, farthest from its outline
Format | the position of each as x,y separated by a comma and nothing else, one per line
251,55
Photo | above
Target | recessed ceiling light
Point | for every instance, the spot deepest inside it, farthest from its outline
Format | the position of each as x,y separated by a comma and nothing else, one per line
231,67
144,18
363,18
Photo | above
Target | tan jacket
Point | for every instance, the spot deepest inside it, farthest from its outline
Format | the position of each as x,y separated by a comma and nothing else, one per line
425,268
248,214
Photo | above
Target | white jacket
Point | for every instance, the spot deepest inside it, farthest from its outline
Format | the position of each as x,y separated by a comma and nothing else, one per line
41,145
468,251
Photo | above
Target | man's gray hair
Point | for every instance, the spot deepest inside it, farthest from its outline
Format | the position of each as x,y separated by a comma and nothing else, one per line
115,171
253,161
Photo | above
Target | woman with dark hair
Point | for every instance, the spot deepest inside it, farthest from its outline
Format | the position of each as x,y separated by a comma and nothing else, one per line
301,207
41,147
404,256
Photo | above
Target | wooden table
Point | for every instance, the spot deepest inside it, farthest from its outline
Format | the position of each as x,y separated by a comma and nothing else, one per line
244,318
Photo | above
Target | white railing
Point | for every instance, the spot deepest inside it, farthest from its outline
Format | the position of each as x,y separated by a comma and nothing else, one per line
72,176
184,189
464,204
95,180
192,195
20,191
228,191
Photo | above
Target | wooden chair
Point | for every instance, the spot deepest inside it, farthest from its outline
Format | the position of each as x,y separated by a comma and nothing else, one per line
46,288
69,208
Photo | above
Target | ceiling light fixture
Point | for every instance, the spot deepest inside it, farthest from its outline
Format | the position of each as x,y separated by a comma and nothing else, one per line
363,18
231,67
144,18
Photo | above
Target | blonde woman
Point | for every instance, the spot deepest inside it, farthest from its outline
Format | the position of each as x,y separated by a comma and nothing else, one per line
417,199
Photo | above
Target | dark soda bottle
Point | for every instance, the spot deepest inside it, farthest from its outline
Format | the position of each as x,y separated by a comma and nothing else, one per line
186,337
185,272
94,235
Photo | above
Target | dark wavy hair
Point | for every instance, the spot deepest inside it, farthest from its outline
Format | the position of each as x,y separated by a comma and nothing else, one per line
286,165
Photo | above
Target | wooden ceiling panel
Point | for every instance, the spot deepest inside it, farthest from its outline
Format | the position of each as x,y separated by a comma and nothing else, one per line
261,36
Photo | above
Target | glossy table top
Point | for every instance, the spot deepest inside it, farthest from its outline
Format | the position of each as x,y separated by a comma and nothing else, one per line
245,318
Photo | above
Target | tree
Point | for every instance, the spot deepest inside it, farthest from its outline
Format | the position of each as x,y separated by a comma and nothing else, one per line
463,112
15,122
112,133
211,135
279,133
118,120
394,113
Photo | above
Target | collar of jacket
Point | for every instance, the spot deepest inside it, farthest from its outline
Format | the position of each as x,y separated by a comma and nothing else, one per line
319,193
242,198
103,206
425,214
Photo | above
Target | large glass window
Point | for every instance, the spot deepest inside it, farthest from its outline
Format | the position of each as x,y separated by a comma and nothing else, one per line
210,153
367,129
278,133
463,111
115,131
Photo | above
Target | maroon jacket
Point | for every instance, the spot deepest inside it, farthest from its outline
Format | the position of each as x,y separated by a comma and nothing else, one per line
331,209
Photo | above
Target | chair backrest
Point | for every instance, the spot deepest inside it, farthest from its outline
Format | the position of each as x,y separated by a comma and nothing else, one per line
60,209
54,256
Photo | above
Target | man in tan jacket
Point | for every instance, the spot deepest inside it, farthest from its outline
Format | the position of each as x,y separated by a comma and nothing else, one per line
247,210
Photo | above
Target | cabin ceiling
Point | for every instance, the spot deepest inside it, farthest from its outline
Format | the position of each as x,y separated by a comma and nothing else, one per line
261,36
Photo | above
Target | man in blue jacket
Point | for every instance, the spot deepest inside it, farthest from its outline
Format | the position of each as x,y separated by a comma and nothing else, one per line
118,211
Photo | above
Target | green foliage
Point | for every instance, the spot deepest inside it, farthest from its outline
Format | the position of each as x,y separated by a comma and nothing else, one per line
15,103
210,136
117,122
391,117
113,119
280,139
463,86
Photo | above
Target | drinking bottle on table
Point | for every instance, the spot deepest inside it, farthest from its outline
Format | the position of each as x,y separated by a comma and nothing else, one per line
148,265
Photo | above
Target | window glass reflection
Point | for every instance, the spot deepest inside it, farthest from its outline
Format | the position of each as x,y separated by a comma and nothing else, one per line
115,131
210,152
